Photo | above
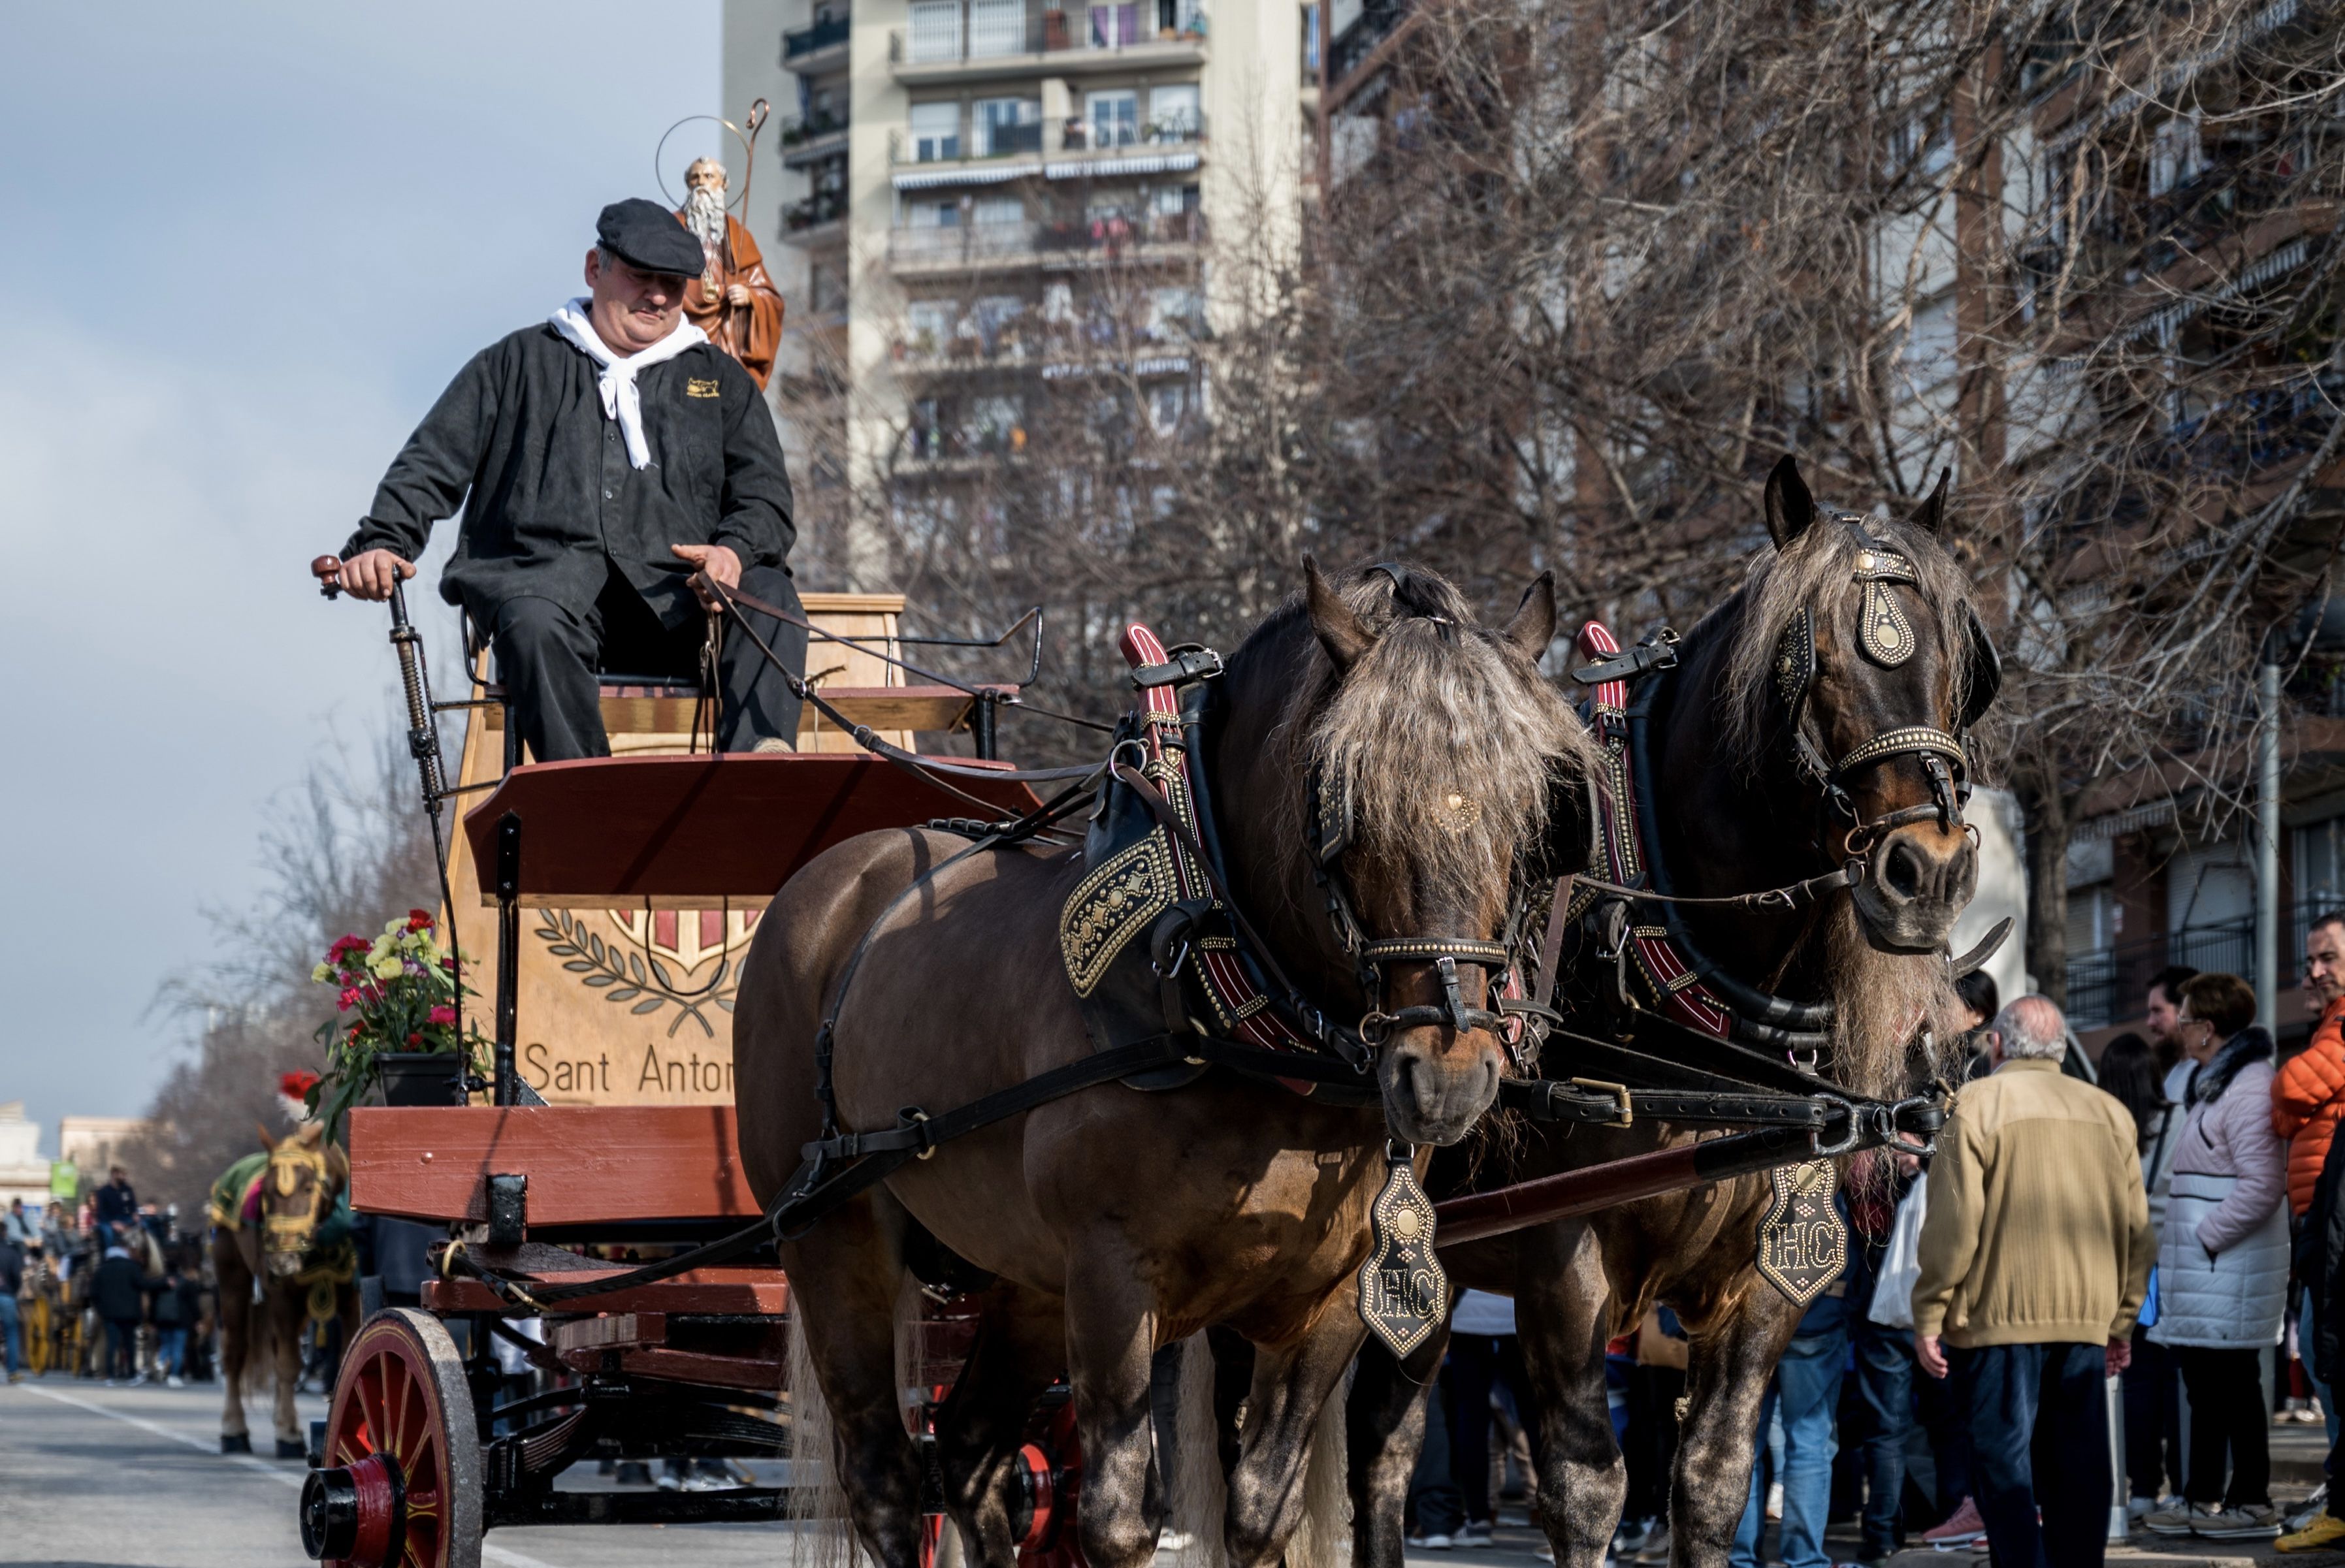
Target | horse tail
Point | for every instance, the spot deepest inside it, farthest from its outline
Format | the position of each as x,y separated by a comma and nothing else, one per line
1326,1501
820,1533
1200,1492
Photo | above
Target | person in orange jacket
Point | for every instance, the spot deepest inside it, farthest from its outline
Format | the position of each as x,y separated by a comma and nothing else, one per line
2308,1100
2308,1093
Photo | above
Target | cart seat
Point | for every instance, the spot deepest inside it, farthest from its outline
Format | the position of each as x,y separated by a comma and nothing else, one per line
696,831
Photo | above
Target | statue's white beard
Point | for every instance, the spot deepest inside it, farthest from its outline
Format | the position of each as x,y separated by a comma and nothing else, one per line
703,209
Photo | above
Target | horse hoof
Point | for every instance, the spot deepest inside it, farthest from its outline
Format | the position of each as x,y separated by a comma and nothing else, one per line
234,1443
289,1448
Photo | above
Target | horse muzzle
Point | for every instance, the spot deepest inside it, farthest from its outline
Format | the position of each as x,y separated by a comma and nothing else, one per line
282,1265
1438,1081
1917,881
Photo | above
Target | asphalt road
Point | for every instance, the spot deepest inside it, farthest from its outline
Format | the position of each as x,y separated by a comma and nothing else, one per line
93,1477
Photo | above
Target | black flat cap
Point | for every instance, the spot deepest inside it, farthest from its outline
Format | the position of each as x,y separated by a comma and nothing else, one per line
647,237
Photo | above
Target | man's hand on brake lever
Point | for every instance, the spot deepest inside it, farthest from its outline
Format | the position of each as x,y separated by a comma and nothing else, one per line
371,573
717,561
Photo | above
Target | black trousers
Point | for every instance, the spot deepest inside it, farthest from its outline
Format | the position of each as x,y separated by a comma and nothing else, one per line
2228,1417
1476,1365
2153,1418
2040,1439
547,659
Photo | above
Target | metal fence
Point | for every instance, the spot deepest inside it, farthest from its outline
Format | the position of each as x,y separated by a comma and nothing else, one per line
2109,982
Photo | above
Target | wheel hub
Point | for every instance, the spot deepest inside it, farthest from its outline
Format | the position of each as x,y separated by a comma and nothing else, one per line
356,1513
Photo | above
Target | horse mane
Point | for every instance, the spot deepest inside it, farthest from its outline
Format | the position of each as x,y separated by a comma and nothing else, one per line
1447,741
1878,998
1814,571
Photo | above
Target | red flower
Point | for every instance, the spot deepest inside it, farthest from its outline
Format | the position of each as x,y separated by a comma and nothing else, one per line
347,945
419,920
443,1016
415,1039
350,997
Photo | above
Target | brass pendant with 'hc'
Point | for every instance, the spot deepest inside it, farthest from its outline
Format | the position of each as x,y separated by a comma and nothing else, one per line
1404,1291
1803,1240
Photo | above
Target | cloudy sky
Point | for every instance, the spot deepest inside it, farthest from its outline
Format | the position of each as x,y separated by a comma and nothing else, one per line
243,248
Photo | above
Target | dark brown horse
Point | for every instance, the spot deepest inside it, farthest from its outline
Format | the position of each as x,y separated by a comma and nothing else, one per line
1740,803
274,1255
1112,1222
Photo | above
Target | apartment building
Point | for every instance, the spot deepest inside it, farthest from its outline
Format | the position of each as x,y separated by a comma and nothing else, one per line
978,196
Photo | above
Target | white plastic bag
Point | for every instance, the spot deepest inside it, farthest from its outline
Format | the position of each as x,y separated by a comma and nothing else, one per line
1901,1262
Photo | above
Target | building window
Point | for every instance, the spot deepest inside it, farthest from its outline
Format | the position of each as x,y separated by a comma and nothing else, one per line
936,132
1167,401
928,325
935,30
1115,118
2321,864
933,215
997,27
1174,113
2175,154
1114,26
1006,126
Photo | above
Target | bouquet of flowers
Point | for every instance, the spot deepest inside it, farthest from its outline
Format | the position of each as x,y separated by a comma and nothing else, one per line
397,992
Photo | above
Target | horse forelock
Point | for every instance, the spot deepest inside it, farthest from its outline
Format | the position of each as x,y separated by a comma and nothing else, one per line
1817,572
1446,741
1881,1000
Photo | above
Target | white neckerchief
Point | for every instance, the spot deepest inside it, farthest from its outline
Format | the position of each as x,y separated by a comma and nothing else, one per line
621,401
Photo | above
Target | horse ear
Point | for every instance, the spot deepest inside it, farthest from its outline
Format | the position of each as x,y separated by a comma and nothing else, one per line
268,1141
1789,507
1341,630
1930,515
1533,627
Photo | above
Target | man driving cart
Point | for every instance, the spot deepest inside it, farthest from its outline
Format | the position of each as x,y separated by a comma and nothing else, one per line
602,458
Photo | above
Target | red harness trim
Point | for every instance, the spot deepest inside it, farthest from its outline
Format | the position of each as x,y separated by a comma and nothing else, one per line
1682,995
1243,1009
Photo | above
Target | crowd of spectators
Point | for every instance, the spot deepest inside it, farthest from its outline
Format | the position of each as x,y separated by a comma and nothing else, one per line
113,1287
2168,1216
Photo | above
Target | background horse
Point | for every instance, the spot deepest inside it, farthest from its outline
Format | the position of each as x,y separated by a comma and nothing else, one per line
283,1257
1746,806
1111,1222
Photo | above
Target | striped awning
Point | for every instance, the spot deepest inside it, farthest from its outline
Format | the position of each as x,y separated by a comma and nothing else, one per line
1146,163
964,174
2164,322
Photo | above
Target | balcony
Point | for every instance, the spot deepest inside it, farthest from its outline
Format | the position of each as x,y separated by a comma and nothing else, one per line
1092,149
816,220
1352,47
1154,238
813,139
813,50
981,43
2107,985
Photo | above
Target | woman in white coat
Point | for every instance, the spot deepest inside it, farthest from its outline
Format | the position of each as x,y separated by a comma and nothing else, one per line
2222,1264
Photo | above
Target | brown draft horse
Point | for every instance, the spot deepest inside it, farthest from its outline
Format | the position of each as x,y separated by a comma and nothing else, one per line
300,1181
1733,812
1112,1222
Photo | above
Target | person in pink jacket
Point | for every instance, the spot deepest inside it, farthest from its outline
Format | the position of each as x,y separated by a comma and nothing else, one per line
2223,1263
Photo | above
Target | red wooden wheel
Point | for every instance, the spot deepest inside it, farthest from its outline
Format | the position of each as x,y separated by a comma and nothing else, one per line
400,1484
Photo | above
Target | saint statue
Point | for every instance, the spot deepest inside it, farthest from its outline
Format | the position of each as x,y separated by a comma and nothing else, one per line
734,301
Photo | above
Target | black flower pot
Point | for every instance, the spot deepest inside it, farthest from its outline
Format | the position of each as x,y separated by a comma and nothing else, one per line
421,1077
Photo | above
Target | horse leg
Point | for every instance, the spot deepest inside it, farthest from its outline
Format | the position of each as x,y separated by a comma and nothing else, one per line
1111,1317
235,1308
1729,1365
1292,1386
846,1275
1384,1432
1562,1311
289,1311
1020,1340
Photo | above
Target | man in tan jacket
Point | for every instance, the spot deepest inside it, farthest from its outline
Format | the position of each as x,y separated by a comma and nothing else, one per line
2034,1255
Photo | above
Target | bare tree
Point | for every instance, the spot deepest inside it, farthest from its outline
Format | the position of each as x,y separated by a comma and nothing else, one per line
347,851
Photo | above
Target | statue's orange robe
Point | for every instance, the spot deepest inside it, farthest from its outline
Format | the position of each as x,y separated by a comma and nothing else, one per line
752,332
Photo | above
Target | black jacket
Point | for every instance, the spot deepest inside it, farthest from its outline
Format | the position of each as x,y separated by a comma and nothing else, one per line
117,1205
11,1268
552,496
120,1295
168,1303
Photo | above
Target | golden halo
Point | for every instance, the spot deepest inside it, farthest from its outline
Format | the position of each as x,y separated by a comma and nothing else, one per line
660,152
